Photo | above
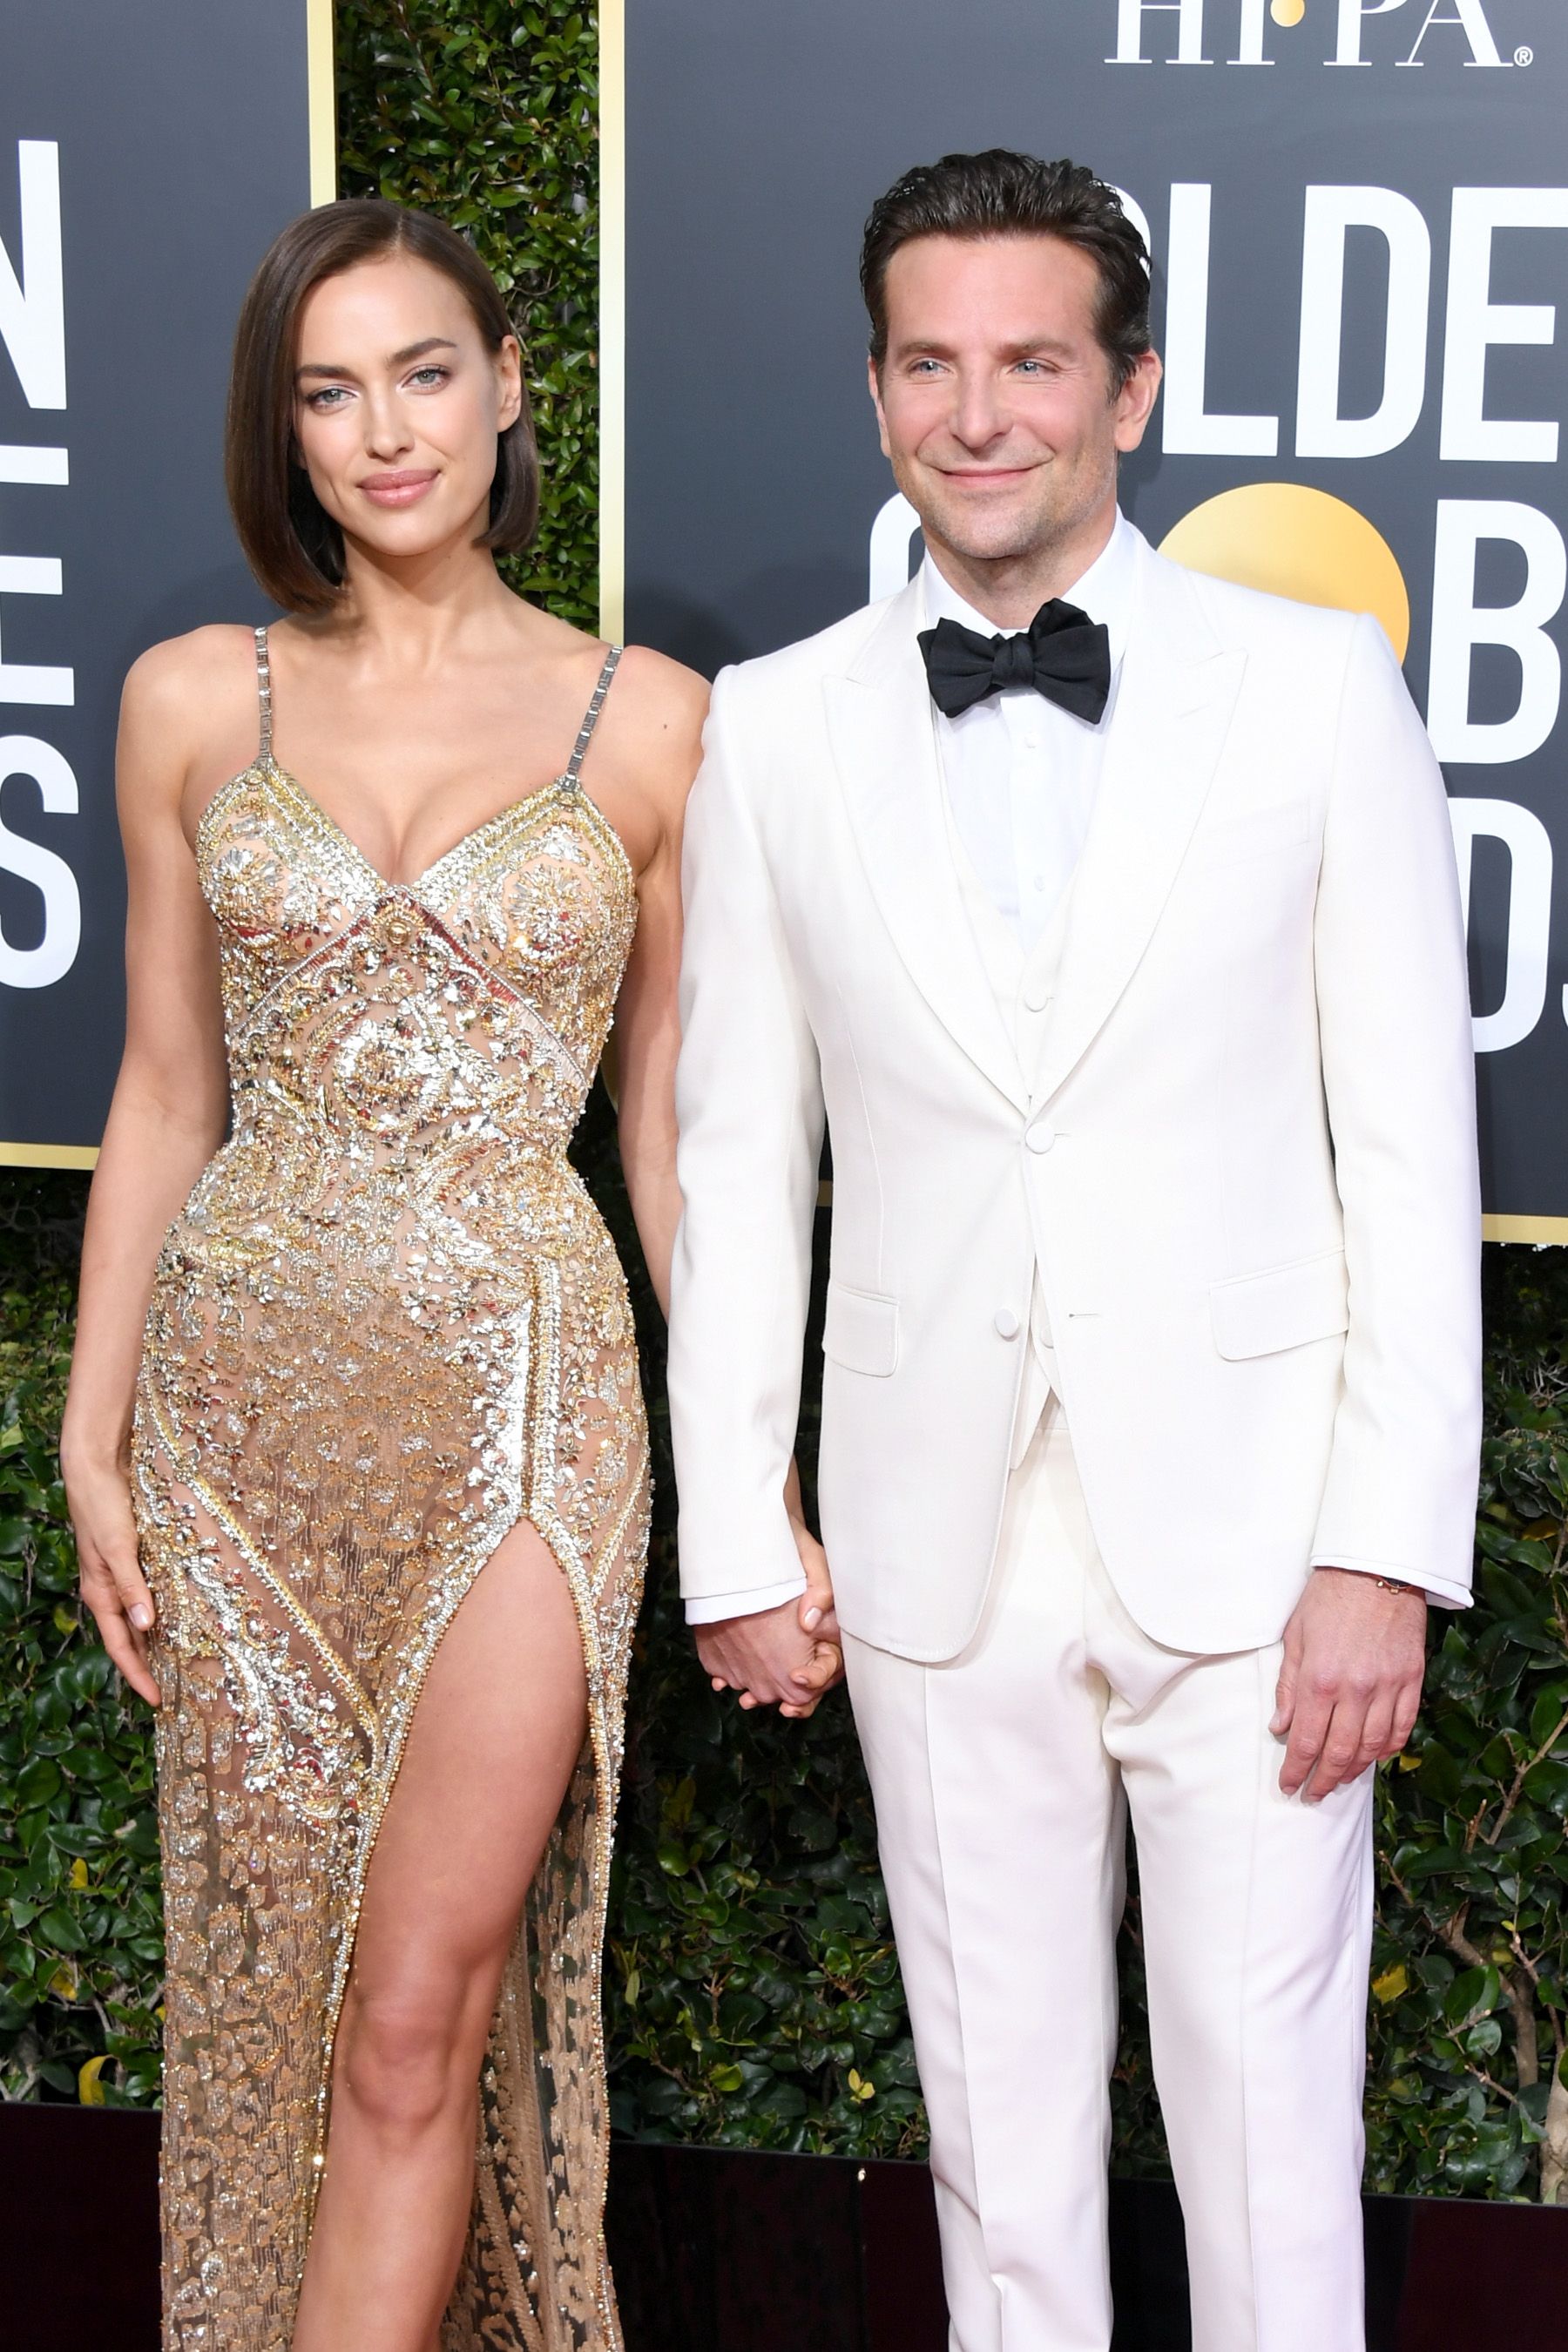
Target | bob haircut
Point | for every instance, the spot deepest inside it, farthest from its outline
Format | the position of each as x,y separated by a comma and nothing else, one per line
292,544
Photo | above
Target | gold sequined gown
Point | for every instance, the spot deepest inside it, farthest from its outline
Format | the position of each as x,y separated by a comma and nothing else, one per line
388,1324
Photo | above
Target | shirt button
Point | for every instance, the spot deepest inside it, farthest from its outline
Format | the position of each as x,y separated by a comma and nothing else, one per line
1007,1323
1040,1137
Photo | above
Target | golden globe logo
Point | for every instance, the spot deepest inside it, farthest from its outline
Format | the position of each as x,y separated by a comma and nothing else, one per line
1140,24
1291,541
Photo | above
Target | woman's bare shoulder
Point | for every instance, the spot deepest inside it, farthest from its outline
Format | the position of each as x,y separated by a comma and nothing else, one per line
669,693
655,734
187,703
183,679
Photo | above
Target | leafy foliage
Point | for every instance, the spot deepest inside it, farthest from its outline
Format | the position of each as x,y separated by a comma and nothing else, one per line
1470,1974
752,1987
485,112
80,1936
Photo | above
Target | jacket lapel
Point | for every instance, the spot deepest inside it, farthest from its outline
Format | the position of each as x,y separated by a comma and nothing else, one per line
884,741
1174,701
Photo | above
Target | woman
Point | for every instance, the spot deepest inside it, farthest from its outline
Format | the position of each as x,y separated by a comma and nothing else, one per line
371,1535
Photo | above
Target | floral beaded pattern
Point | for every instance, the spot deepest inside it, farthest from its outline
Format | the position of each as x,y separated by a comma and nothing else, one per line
388,1324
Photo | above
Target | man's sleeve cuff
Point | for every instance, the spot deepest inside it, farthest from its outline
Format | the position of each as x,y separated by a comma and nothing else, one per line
706,1608
1439,1591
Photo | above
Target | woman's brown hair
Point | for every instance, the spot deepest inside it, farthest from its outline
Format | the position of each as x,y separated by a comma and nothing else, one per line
293,546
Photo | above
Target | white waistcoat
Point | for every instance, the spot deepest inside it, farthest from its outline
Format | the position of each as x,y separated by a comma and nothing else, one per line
1024,989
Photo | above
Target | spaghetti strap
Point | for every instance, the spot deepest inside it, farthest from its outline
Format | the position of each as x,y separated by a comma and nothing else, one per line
264,692
572,779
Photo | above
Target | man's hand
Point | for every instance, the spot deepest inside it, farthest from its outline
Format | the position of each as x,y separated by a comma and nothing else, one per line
770,1658
790,1656
1350,1682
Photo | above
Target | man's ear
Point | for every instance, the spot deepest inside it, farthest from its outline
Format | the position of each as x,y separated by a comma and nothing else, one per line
1135,401
873,385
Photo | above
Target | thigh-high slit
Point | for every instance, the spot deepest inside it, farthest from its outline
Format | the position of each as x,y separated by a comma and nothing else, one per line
291,1673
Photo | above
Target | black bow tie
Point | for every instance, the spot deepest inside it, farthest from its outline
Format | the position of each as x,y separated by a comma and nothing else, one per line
1062,653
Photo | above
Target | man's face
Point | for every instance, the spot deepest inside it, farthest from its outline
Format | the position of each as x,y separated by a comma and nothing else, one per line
996,399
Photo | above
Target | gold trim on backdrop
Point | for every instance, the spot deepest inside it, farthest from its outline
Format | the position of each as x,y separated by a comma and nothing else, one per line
49,1155
612,320
321,78
1525,1229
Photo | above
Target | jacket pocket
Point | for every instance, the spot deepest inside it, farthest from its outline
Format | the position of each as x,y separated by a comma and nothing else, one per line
861,1330
1253,833
1259,1313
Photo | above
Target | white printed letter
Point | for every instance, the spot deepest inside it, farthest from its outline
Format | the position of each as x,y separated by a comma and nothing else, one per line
1249,42
1529,937
1458,627
1320,430
892,545
1469,18
1130,16
40,966
1475,323
1351,12
1190,432
32,297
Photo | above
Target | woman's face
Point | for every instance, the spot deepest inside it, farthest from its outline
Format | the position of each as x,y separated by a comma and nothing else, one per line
397,405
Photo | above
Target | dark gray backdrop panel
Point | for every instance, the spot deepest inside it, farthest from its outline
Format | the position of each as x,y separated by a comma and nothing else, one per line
757,140
182,135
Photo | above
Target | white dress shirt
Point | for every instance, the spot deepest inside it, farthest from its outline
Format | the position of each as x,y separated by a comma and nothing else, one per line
1021,773
1021,778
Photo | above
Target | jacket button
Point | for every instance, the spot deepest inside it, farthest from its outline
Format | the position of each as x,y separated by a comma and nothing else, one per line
1037,996
1040,1137
1008,1323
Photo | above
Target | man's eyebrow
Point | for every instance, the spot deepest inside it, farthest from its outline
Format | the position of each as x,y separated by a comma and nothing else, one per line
396,359
1024,348
1032,346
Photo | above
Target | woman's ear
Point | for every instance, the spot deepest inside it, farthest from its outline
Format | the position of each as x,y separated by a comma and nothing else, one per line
509,370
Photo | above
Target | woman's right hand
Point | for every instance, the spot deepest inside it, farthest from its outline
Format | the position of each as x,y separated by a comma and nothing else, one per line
113,1585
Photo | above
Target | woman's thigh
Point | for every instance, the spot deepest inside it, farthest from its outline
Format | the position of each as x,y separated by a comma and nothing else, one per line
496,1734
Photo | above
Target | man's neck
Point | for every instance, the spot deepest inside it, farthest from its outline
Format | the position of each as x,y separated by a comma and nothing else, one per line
1009,590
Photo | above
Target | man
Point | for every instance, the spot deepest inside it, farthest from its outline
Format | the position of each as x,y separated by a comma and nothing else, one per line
1109,913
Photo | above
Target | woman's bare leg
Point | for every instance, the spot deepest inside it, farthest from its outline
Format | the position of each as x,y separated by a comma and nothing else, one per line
497,1733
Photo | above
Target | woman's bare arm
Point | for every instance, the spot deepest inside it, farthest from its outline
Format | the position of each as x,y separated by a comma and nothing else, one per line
648,1030
166,1120
673,703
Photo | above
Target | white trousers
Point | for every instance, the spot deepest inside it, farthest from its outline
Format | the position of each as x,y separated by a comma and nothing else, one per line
1001,1780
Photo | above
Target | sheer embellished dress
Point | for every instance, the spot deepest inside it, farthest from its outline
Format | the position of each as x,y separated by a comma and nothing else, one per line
387,1325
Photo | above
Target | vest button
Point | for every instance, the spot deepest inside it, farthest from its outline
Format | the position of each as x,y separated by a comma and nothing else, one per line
1040,1137
1007,1323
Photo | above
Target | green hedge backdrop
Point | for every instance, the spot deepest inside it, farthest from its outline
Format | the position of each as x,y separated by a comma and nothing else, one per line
753,1990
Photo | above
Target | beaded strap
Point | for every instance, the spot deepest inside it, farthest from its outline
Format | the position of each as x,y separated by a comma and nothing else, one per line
572,779
264,692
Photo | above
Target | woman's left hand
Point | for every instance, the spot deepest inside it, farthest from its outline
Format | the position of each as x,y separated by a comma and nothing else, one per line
817,1617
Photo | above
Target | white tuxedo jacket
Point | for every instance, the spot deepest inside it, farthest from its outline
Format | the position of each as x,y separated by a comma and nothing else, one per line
1245,1171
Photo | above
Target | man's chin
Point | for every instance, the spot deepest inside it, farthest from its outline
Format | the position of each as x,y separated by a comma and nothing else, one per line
995,541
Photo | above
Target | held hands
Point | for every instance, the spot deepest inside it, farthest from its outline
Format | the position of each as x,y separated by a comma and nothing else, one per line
1350,1685
788,1657
113,1584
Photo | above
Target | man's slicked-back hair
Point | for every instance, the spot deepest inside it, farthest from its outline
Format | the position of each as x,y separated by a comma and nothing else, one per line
1003,193
294,547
